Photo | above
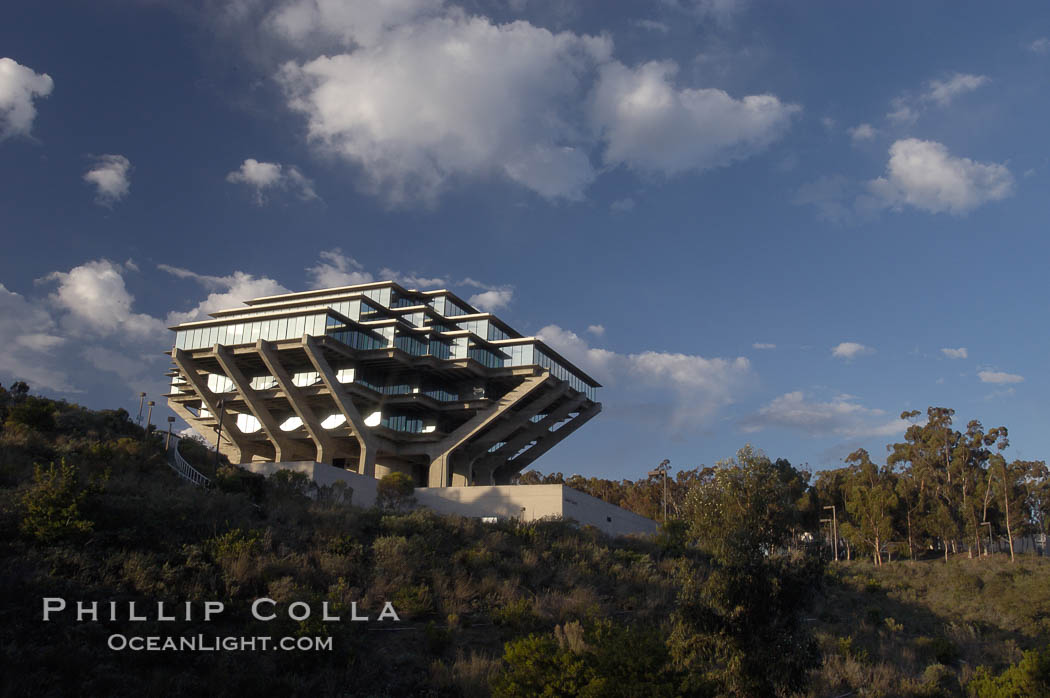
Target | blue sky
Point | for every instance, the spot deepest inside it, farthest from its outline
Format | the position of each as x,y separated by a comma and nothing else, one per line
780,223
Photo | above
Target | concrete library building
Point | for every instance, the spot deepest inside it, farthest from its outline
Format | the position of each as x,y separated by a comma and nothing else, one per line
356,382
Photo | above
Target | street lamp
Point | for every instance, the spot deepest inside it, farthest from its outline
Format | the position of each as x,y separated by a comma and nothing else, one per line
661,471
142,396
167,441
834,530
149,416
218,433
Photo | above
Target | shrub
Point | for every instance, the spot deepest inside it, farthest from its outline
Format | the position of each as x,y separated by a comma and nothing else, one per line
394,492
1029,678
53,504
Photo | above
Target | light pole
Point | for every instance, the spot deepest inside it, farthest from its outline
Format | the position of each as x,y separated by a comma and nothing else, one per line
989,525
834,530
661,471
167,441
142,397
149,417
218,433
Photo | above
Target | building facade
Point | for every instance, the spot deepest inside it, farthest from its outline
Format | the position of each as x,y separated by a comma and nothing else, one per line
377,378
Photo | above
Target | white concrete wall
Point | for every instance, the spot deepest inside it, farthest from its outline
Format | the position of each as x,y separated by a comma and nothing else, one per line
525,502
364,487
613,520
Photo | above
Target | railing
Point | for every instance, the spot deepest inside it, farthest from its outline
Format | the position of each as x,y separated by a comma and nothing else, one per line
183,469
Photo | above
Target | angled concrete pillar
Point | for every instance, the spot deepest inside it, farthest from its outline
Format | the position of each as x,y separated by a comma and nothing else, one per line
325,443
367,460
283,447
490,462
503,473
441,469
188,367
510,425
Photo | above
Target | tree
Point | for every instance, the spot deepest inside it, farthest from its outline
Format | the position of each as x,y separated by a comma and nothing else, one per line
870,500
394,492
746,501
53,504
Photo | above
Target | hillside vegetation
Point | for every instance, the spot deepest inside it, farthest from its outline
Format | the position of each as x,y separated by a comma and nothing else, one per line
726,600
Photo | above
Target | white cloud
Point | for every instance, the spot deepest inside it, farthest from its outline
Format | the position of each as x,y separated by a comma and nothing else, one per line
863,132
1040,46
698,386
649,124
999,377
850,350
763,345
419,94
925,175
596,330
622,205
266,176
29,335
827,122
841,416
227,292
906,109
490,301
944,91
19,86
349,22
445,96
903,113
110,177
337,269
959,353
95,299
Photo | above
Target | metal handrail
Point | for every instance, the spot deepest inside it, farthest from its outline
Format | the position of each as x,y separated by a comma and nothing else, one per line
183,469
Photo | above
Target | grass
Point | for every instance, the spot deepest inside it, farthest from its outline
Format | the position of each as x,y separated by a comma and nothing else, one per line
923,628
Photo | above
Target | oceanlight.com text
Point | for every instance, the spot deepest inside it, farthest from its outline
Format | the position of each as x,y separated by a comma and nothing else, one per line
216,643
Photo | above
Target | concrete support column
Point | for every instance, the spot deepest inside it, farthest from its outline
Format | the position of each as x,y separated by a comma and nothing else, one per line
442,466
366,464
190,371
325,444
282,444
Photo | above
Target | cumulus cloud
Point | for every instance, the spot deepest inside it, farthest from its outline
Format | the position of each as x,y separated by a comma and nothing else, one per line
622,205
906,109
29,336
763,345
451,95
698,387
1040,46
840,416
95,299
959,353
925,175
650,124
418,94
228,291
263,177
863,132
490,301
944,91
596,330
999,377
337,269
850,350
19,87
110,177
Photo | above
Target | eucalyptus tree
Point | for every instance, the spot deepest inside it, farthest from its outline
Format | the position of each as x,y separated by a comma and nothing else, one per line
871,501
